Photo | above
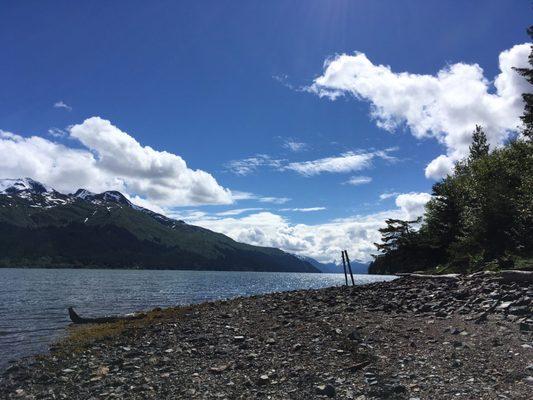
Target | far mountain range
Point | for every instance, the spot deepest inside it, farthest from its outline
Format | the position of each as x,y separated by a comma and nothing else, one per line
41,227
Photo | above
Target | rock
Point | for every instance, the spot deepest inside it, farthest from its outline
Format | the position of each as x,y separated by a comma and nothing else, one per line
219,369
238,339
102,370
355,336
359,366
326,390
297,346
263,379
525,327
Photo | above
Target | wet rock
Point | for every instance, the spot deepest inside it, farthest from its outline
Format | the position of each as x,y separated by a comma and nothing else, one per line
326,390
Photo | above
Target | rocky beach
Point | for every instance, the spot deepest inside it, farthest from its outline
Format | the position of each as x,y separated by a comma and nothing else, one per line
456,337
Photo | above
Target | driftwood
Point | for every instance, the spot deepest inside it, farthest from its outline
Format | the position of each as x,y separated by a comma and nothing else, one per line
450,277
516,276
504,276
75,318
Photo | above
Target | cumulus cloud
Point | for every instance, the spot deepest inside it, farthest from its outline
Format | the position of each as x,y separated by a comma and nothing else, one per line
323,241
412,204
110,159
445,106
62,104
358,180
346,162
440,167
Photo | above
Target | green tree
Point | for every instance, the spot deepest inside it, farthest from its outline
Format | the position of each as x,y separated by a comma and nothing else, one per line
527,116
479,147
396,234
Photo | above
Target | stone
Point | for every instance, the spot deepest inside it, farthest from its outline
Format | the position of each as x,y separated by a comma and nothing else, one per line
263,379
326,390
238,339
219,369
355,336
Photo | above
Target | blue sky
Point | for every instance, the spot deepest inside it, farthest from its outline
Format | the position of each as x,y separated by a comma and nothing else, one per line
218,82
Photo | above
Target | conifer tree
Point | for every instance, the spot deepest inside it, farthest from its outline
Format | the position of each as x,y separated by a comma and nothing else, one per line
527,117
479,147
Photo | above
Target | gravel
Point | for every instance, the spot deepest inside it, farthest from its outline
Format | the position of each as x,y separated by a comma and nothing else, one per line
465,338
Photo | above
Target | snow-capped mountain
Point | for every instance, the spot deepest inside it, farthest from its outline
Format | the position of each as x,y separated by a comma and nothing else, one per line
42,195
38,194
104,197
333,268
14,186
40,226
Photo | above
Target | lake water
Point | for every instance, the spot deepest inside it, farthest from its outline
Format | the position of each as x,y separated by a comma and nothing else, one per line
34,302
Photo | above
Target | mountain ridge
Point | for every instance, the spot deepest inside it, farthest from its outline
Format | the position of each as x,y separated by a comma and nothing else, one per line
40,226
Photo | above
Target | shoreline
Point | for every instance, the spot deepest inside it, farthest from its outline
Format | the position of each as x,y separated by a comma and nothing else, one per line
408,338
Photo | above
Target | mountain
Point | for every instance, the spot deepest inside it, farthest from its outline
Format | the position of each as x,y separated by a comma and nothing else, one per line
40,226
333,268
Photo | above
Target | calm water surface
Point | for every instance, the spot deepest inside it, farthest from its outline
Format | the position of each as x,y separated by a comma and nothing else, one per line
33,302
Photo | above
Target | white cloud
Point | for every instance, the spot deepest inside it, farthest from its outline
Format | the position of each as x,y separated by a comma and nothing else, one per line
412,204
56,132
445,106
237,195
248,165
387,195
238,211
62,104
306,209
324,241
358,180
274,200
295,146
346,162
440,167
111,159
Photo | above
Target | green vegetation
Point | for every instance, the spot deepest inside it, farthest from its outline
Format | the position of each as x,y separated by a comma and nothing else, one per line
112,235
480,217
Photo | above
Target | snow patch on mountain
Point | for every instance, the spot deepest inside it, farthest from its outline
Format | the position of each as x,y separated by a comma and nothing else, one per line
42,196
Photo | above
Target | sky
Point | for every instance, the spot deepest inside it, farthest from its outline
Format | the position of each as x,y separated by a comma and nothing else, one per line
299,125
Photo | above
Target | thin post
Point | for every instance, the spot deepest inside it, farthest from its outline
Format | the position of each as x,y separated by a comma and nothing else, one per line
349,266
344,266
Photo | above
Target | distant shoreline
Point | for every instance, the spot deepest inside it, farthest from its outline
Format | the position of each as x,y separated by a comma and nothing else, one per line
222,269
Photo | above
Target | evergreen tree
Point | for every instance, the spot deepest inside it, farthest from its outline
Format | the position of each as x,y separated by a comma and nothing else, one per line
396,234
479,147
527,117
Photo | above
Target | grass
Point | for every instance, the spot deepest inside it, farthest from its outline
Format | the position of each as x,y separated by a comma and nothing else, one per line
81,337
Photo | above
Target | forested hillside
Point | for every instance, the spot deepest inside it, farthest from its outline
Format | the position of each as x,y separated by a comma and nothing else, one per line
480,216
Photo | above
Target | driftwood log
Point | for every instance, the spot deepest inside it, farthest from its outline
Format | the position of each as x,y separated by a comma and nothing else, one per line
75,318
504,276
516,276
451,277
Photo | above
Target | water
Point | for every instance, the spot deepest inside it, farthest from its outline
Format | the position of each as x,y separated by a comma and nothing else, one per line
33,302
